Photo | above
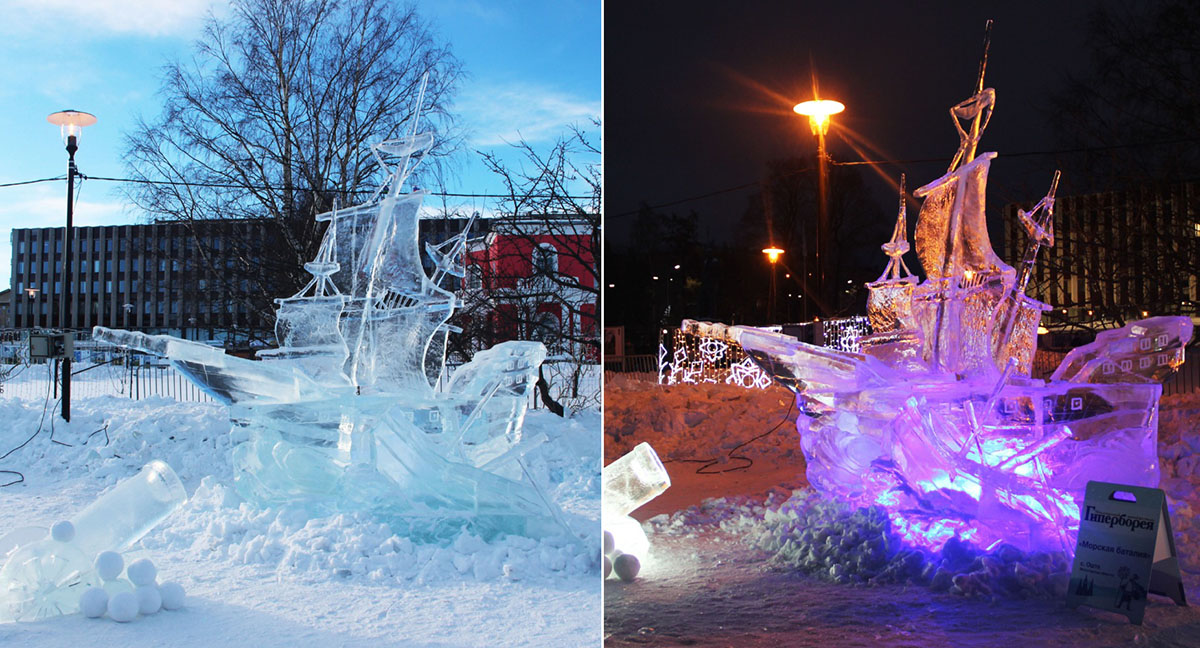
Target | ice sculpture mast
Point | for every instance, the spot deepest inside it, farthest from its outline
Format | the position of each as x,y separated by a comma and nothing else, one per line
950,320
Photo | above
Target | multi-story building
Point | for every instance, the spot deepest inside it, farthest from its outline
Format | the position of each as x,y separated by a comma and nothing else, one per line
536,279
164,277
1117,256
197,281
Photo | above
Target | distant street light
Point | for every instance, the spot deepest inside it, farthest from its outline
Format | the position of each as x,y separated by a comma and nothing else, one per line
71,124
773,253
818,112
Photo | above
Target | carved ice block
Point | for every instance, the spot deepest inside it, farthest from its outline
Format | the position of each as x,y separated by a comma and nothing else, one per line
633,480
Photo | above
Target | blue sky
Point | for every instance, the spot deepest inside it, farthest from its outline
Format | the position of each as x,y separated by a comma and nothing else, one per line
533,69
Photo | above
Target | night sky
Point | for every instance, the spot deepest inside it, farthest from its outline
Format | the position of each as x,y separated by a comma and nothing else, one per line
698,95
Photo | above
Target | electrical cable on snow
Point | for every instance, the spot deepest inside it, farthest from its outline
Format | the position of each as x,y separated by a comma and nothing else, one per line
45,406
703,470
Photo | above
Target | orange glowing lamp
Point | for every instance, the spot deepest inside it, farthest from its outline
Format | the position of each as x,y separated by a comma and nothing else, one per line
773,254
818,112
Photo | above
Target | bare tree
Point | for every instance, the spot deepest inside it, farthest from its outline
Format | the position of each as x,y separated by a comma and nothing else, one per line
543,253
271,120
1126,242
1135,112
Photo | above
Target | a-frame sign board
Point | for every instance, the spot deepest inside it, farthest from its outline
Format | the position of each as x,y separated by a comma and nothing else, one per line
1125,548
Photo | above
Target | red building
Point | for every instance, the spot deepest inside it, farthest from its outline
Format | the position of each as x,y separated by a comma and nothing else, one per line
535,279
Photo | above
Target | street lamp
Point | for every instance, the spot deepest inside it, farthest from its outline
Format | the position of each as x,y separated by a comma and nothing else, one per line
71,124
773,253
818,112
31,319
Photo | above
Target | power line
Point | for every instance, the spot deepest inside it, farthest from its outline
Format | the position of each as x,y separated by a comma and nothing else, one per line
29,182
1087,149
222,185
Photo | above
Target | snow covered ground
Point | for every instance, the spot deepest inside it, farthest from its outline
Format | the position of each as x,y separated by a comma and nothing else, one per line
278,578
720,571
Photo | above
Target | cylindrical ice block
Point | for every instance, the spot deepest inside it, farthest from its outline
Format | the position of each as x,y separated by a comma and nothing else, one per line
126,513
633,480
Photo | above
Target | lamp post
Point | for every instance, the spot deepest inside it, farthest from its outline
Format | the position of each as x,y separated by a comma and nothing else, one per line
818,112
773,253
70,123
31,319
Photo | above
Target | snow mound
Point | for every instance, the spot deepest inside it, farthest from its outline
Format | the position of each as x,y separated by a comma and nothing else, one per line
110,438
826,539
700,421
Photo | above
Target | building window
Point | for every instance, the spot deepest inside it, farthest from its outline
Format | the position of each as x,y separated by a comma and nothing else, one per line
545,260
474,277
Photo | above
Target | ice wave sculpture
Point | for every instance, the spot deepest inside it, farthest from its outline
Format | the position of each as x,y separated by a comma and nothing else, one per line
43,573
343,415
936,418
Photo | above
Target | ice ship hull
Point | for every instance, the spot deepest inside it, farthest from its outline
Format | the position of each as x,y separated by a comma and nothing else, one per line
991,457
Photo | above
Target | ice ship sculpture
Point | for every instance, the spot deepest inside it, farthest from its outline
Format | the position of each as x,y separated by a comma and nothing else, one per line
343,415
936,418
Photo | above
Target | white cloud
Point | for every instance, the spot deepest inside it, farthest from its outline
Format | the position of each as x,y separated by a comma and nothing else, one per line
500,114
145,17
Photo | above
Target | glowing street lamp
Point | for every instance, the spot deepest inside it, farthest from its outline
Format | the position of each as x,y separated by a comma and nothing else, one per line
818,112
71,124
773,253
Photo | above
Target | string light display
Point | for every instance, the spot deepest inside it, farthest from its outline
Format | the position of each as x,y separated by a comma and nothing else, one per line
704,353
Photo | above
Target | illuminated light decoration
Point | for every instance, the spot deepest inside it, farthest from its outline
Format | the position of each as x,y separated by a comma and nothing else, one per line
773,253
934,416
663,365
704,353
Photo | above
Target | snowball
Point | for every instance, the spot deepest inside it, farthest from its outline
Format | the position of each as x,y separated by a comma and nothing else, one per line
123,607
607,567
610,543
627,567
172,595
109,565
142,572
149,600
93,603
63,531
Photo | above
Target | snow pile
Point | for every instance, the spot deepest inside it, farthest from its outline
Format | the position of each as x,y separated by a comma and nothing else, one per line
110,438
700,421
217,523
826,539
1179,455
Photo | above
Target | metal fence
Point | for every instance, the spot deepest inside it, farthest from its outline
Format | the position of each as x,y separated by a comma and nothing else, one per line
116,372
130,377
